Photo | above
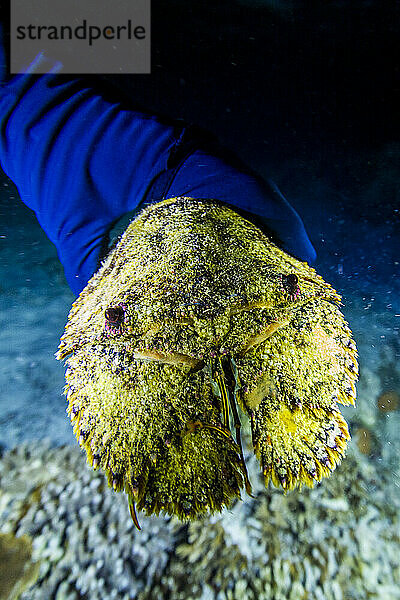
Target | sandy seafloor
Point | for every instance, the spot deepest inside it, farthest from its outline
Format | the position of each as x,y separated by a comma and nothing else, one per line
338,541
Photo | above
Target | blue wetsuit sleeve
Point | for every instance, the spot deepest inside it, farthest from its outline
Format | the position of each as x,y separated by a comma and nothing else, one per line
207,176
81,162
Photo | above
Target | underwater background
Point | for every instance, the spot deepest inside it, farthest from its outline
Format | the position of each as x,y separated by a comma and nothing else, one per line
307,94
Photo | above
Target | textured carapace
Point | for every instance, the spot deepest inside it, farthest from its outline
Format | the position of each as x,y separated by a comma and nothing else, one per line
193,314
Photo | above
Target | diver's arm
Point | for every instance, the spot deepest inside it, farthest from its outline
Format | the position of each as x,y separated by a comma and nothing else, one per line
205,175
81,162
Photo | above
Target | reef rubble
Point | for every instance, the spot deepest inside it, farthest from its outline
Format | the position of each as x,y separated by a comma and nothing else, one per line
338,541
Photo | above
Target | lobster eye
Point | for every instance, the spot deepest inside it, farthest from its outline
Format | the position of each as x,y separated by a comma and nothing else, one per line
292,279
289,284
114,315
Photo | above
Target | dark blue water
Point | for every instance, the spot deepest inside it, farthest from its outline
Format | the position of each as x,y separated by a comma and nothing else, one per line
306,95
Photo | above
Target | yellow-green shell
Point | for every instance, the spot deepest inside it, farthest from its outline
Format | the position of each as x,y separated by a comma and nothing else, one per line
202,291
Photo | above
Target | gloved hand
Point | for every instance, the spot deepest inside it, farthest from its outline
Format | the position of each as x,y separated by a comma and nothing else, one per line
81,161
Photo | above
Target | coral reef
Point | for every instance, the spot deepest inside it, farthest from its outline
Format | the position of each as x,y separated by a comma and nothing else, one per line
337,541
82,532
389,401
376,422
365,440
17,571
